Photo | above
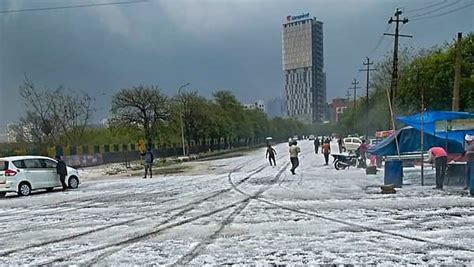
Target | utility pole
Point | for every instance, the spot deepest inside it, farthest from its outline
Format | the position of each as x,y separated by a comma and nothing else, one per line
457,74
348,98
181,119
368,69
354,87
394,82
422,128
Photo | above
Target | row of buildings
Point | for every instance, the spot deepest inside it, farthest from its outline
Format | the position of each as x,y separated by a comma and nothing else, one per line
276,107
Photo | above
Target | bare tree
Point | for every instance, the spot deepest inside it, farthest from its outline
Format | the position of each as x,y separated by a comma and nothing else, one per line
74,114
52,115
143,106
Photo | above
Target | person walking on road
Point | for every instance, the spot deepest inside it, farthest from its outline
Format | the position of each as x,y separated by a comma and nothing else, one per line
440,158
326,151
148,157
469,154
271,153
294,151
316,144
340,144
362,150
61,170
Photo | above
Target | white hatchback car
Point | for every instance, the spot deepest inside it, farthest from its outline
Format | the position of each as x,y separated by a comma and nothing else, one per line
352,143
22,174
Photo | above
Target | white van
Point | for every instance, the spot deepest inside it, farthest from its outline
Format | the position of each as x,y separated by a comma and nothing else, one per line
352,143
23,174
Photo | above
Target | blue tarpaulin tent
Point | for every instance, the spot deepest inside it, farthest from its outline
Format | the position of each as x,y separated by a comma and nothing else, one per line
409,141
443,124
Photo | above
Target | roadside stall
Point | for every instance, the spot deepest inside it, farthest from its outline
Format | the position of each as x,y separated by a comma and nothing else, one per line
450,126
436,128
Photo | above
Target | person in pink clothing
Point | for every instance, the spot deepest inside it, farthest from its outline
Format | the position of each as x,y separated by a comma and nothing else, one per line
440,158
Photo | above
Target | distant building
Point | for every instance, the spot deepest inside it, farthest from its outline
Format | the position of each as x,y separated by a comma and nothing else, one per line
260,105
327,113
303,67
337,108
275,107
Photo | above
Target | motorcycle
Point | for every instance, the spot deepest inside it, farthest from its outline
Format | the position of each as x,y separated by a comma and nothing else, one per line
342,161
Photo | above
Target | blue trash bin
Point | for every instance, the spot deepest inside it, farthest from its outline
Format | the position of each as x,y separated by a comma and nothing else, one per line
393,173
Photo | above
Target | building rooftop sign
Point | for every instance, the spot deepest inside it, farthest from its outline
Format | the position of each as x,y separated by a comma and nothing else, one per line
293,18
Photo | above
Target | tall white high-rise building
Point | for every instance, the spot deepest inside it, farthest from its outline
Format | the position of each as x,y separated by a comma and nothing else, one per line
303,67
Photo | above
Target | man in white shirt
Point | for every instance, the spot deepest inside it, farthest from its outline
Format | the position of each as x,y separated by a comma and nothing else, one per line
294,151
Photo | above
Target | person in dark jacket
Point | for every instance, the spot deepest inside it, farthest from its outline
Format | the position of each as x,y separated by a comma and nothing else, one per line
340,144
61,170
271,155
316,145
148,157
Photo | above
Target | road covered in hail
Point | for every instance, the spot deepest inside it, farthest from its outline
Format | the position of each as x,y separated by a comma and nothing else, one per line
240,210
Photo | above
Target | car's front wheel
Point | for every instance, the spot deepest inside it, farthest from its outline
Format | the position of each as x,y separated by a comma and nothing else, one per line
73,182
24,189
2,194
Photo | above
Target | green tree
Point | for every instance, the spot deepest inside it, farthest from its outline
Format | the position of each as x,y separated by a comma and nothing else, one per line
145,107
434,70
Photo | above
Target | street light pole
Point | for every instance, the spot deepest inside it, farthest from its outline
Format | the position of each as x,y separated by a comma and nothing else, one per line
181,119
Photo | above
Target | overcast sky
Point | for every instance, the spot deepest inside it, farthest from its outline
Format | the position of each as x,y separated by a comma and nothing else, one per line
212,44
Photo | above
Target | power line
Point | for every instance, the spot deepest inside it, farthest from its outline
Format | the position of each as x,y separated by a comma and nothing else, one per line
71,7
379,42
436,10
426,7
445,13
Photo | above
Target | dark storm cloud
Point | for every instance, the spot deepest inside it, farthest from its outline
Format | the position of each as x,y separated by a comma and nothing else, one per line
211,44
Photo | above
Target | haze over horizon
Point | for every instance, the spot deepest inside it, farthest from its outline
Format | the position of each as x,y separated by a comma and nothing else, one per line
211,44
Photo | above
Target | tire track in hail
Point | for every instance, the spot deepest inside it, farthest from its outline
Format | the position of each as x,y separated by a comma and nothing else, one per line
364,227
117,196
199,248
187,207
148,196
244,204
368,228
156,230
